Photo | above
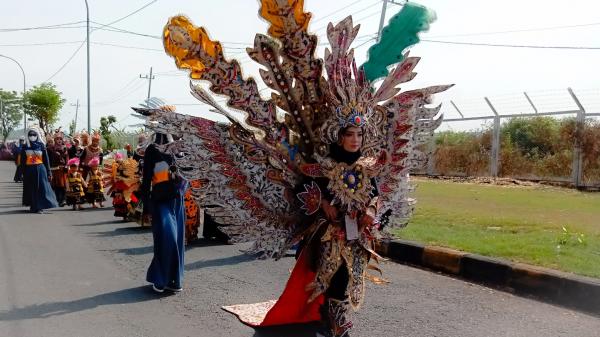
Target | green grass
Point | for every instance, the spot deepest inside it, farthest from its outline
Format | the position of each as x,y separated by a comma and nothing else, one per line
522,224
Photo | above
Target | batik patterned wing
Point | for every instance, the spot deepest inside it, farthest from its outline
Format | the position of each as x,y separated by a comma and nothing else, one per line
192,49
238,183
408,125
292,69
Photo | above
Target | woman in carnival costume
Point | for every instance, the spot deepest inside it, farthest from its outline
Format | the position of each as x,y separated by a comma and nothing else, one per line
163,189
57,152
121,177
37,192
95,185
137,206
91,151
327,173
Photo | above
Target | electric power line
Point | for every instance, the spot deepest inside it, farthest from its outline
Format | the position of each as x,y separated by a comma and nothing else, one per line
59,25
39,44
66,63
510,45
81,45
335,12
518,30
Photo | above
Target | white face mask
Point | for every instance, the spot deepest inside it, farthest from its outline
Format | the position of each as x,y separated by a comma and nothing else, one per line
32,138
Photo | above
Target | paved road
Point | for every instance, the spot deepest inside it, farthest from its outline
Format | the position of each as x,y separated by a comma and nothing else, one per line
82,274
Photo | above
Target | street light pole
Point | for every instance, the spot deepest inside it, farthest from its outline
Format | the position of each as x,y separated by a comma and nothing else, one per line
23,96
87,8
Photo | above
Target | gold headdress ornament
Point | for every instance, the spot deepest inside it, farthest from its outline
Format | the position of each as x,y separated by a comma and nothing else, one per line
85,138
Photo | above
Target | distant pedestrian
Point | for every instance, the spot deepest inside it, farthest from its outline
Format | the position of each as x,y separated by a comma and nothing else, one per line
17,155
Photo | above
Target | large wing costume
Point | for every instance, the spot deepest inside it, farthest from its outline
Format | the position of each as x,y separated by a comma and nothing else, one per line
251,167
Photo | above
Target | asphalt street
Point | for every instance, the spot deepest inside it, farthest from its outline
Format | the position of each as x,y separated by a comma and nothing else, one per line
82,273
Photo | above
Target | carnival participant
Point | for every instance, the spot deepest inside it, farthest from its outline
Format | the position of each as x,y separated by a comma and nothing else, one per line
16,151
57,152
162,189
325,172
76,149
121,178
95,185
91,151
75,186
37,192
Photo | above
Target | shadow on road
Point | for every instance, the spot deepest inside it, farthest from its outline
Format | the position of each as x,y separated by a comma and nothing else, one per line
227,261
125,296
122,231
135,251
294,330
16,211
202,242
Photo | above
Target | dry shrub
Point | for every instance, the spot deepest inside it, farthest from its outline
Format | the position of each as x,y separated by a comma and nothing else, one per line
462,153
539,147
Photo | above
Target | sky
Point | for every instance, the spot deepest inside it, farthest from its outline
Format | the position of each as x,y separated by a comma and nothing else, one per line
118,59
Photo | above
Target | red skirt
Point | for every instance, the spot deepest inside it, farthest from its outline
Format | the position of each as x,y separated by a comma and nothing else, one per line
291,308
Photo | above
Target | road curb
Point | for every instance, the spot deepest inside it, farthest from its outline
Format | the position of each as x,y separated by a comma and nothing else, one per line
577,292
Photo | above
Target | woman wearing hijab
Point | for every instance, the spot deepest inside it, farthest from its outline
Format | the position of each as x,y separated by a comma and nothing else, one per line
162,190
37,192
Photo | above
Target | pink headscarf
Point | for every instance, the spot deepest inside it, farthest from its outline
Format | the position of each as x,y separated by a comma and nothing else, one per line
94,162
73,161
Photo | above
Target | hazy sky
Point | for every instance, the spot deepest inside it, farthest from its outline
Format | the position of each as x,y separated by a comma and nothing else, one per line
501,73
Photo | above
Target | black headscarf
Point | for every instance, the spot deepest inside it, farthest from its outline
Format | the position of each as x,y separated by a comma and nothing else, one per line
337,153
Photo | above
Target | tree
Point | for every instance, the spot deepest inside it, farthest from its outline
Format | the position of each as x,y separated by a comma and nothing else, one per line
72,126
105,124
43,103
10,114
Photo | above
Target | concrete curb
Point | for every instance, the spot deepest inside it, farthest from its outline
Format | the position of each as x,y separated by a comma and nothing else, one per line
577,292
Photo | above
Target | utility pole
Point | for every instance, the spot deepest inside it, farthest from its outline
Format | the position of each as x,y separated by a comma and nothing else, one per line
382,18
76,111
150,78
89,124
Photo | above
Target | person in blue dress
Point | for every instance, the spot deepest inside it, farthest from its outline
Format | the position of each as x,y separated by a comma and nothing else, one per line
162,192
37,192
17,155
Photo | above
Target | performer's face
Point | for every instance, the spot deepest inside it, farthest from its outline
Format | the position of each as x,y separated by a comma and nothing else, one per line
352,139
33,136
58,141
72,168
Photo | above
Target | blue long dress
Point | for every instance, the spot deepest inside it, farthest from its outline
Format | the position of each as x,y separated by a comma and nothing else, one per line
37,192
168,219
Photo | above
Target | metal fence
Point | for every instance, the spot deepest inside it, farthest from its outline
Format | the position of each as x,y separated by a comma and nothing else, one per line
489,161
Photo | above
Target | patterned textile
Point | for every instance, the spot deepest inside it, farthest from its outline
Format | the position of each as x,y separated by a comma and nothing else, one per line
271,175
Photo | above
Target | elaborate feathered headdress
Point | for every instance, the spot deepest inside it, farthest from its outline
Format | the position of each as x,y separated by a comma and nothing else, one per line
85,138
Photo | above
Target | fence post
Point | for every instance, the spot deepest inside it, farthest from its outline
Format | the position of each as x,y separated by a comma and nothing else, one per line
495,155
431,161
577,168
530,102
